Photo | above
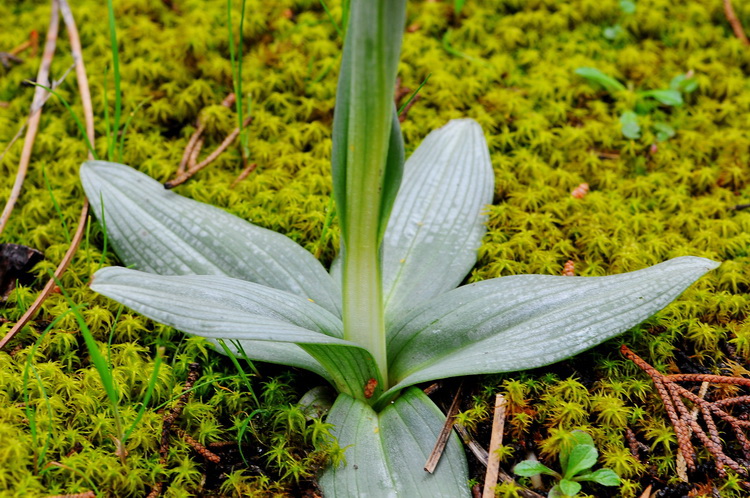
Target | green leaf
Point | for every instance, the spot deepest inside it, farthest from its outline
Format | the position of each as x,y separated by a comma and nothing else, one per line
597,77
528,321
630,127
627,6
367,160
158,231
663,131
605,477
576,438
666,97
613,32
529,468
386,451
569,488
438,220
218,307
582,457
364,147
684,83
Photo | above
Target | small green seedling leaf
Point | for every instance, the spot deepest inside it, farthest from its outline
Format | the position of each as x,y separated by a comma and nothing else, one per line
666,97
597,77
629,124
613,32
627,6
582,457
663,131
605,477
684,83
569,488
529,468
576,438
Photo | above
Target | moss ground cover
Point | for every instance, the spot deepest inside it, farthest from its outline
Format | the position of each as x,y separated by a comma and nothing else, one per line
509,65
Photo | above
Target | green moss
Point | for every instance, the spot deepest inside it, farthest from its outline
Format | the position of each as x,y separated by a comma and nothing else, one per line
548,132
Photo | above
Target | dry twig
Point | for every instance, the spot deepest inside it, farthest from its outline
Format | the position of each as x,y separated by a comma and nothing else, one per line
735,22
183,177
169,419
88,111
445,433
684,424
196,142
496,440
39,93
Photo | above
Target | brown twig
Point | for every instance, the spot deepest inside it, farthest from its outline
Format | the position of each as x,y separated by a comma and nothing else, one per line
734,21
445,433
195,137
496,440
81,77
169,419
39,93
244,174
685,423
199,448
88,111
183,177
86,494
76,240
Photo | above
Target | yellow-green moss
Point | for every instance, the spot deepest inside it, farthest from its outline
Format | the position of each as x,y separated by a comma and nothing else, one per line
548,131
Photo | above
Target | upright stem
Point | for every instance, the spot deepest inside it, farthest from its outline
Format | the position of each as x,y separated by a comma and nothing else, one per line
367,162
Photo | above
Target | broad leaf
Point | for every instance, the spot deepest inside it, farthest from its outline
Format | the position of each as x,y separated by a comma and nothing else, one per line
528,321
386,451
219,307
158,231
437,223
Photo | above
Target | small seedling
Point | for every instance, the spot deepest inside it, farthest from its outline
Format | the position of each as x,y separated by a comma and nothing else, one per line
646,102
576,460
616,31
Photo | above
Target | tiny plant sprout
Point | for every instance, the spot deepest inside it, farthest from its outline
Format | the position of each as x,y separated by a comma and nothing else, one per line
576,460
388,315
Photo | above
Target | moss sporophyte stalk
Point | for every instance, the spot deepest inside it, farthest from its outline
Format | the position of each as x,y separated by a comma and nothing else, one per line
382,320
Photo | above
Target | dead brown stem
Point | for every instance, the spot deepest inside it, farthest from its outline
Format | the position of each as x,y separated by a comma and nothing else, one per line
39,93
734,21
496,440
183,177
685,423
88,111
445,433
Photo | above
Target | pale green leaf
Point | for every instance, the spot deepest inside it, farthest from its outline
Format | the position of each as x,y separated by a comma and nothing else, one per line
437,221
218,307
158,231
527,321
629,125
363,144
667,97
386,451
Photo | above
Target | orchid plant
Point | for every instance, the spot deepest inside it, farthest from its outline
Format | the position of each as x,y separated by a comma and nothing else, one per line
388,315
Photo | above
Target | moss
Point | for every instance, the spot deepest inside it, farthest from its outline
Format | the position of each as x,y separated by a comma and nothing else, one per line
548,132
